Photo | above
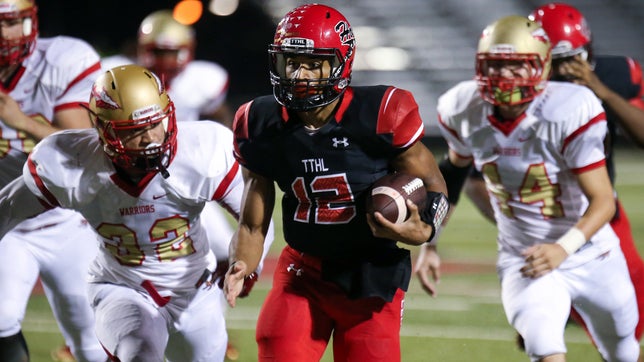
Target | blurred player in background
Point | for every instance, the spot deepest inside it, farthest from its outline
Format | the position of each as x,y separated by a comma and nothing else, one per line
617,82
167,48
324,143
198,89
539,145
44,83
141,181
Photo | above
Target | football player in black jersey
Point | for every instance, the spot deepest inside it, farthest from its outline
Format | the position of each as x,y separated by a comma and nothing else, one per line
324,143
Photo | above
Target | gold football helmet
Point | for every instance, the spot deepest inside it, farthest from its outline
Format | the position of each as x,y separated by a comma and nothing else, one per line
165,46
512,40
127,98
14,51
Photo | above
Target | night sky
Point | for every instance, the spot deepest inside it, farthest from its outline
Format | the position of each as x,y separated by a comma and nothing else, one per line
237,42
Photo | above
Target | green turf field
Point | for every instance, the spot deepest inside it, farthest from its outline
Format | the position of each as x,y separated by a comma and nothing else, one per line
464,323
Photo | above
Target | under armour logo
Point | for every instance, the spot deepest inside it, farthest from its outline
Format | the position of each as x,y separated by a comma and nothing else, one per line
292,267
344,142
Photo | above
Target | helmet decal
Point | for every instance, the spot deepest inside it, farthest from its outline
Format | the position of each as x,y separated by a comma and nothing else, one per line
103,100
541,35
126,99
146,112
346,38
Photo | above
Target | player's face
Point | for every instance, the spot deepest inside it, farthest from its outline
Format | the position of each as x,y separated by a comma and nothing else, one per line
140,138
11,29
308,70
507,69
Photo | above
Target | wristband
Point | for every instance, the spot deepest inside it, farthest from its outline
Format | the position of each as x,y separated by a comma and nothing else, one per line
572,240
435,212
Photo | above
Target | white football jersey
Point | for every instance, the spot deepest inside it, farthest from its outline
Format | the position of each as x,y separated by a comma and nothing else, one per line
530,166
58,74
150,231
200,88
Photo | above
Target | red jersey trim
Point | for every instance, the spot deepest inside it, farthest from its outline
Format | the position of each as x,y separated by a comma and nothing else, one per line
586,168
240,127
451,131
598,118
154,294
133,190
225,183
50,199
635,71
72,105
506,126
84,74
398,115
347,97
636,78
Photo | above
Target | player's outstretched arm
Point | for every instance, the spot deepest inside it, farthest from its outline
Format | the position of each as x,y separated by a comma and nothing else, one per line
17,203
246,247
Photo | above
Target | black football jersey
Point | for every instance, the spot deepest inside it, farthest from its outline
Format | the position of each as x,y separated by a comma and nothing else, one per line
325,173
623,76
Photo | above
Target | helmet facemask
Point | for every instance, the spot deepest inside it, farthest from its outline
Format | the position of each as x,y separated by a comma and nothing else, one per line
128,106
166,62
513,61
154,157
165,46
500,90
301,94
319,33
14,51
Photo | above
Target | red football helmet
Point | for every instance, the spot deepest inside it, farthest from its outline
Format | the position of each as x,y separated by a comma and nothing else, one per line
14,51
319,32
127,98
567,29
165,46
518,42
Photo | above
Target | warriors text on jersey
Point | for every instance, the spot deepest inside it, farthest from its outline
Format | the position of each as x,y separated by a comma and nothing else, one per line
149,231
530,164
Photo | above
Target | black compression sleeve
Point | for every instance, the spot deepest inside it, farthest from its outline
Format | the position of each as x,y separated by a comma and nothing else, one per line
454,179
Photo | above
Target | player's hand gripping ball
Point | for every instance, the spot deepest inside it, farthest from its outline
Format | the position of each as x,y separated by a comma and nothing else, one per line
388,195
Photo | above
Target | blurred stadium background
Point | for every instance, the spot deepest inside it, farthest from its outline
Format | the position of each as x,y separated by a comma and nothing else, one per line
425,46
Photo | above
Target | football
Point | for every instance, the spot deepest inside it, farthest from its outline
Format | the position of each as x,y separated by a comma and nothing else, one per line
388,194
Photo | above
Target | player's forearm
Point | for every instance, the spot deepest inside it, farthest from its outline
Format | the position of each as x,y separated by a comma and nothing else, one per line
247,246
599,212
17,203
34,128
629,117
